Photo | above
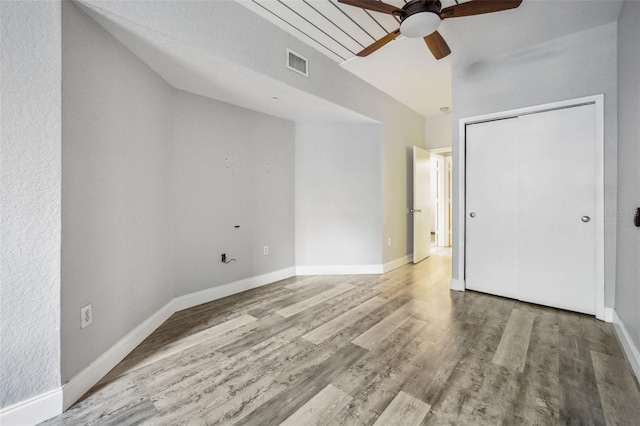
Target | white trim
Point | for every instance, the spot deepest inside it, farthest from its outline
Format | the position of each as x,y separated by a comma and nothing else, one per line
457,285
218,292
443,150
33,410
609,314
401,261
600,308
340,270
87,378
459,158
630,349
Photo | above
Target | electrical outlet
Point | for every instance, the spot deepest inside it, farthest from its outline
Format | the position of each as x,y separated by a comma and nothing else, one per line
86,316
389,242
223,257
265,250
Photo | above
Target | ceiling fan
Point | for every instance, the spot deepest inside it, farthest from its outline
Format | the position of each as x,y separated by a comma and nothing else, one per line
421,18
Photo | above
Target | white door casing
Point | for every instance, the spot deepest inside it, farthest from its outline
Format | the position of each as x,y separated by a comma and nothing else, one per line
421,210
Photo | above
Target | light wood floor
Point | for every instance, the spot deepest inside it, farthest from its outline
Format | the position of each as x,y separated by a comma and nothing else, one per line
396,349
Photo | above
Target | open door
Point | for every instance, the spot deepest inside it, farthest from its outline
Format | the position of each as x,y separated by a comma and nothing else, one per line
421,210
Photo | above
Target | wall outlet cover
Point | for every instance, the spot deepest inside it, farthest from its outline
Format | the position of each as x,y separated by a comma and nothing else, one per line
86,316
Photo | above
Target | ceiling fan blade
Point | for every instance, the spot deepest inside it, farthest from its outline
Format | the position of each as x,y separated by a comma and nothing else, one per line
478,7
436,44
378,44
374,5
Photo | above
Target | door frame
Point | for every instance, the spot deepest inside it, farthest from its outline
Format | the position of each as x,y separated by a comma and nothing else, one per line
416,151
441,212
460,174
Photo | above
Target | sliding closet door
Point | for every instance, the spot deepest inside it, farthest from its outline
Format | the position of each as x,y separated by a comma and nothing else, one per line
491,207
556,208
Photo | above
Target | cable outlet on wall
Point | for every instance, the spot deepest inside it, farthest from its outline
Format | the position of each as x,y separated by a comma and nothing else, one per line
86,316
265,250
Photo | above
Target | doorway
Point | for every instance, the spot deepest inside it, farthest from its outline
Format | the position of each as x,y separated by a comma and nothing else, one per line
441,196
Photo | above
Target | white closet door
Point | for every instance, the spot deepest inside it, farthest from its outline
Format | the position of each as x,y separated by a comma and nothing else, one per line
491,255
556,205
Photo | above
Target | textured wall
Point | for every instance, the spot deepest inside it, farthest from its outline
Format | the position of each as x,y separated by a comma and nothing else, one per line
232,166
338,217
30,73
628,253
578,65
116,186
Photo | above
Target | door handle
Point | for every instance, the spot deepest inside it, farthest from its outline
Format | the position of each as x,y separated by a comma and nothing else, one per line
472,214
585,219
415,211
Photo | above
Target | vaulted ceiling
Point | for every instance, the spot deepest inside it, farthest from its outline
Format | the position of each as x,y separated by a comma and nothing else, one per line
404,68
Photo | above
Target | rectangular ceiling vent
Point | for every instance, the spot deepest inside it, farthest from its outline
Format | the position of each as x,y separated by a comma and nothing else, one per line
297,63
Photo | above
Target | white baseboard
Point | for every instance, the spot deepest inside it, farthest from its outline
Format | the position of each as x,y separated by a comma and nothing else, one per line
390,266
87,378
33,410
84,380
214,293
457,285
340,270
608,314
630,349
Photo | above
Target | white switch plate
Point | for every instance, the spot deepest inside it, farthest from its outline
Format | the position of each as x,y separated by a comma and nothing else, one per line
389,242
265,250
86,316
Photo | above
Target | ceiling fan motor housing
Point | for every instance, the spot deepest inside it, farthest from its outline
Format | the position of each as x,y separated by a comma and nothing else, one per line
420,19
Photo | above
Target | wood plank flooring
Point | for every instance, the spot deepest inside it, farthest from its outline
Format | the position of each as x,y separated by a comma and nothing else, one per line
392,349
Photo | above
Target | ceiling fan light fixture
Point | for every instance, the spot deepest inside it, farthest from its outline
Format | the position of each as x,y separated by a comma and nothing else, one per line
420,24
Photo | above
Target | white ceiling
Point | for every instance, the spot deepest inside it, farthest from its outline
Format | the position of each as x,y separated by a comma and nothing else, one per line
405,68
190,69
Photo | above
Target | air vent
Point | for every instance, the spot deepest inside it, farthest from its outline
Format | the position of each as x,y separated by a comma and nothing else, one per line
297,63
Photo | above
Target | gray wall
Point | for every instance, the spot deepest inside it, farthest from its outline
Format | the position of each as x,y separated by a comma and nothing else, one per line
154,182
437,133
338,215
628,253
570,67
232,166
116,184
30,75
260,46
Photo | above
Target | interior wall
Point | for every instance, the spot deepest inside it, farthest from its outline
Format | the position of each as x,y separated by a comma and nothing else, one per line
116,184
437,133
578,65
400,133
628,252
260,46
232,167
30,76
338,194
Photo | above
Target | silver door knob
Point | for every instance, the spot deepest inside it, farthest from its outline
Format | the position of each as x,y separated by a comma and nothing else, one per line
472,214
585,219
416,211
